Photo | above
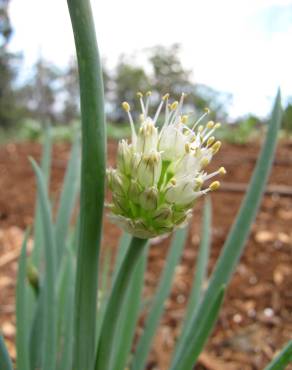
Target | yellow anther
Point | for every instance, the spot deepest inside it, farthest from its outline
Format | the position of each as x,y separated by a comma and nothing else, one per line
207,110
186,132
210,124
218,125
165,97
222,171
200,128
148,93
126,106
141,117
173,181
174,105
210,141
216,147
187,147
184,119
139,94
199,182
214,186
204,162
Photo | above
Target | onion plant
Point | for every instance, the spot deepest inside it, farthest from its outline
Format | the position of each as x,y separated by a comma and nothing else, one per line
68,318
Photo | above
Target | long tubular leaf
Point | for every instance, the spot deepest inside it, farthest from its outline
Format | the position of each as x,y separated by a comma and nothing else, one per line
282,359
121,253
5,361
123,247
67,199
162,293
22,334
103,291
45,166
201,265
129,315
37,333
104,358
49,326
207,323
235,242
92,181
66,315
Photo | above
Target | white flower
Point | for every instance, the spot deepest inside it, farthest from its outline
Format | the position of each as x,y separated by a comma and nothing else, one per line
160,174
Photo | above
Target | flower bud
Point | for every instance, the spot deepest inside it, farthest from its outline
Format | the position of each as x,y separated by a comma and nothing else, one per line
149,198
124,157
149,169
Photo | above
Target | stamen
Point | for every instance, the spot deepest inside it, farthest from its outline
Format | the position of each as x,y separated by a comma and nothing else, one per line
204,162
214,186
184,119
174,105
127,108
207,111
148,94
210,141
187,148
217,125
216,147
220,171
158,111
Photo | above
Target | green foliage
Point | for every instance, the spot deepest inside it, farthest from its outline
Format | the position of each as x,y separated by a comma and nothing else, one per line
287,119
239,133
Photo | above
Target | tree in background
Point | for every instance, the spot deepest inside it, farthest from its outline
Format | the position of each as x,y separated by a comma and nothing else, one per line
169,75
8,110
126,81
40,94
71,108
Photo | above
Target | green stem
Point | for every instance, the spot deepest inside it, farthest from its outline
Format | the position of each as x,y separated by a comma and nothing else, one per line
117,298
92,181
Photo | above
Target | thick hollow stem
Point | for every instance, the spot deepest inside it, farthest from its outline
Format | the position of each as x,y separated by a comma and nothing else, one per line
104,358
92,181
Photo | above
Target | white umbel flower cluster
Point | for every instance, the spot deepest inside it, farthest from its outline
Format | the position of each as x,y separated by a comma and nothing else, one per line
160,174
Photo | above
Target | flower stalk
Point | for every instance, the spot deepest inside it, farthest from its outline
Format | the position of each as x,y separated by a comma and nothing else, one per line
92,181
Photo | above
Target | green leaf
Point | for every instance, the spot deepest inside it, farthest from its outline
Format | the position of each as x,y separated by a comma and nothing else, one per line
67,199
162,293
207,323
123,247
36,341
65,312
93,162
22,334
45,166
284,358
5,361
235,242
103,292
104,357
49,325
129,315
201,268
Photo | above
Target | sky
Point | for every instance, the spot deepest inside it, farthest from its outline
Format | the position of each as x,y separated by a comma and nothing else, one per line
241,47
